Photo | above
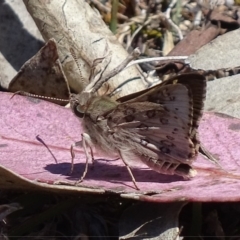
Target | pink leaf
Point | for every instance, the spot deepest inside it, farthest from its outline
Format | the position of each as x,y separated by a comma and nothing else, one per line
36,137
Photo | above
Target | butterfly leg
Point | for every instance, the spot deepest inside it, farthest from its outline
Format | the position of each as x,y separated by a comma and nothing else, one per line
86,143
76,144
129,170
208,155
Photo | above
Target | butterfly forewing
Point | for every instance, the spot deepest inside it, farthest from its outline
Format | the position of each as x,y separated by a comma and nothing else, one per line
196,85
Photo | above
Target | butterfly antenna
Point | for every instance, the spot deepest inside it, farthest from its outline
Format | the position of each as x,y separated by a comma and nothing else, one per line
114,92
77,63
38,96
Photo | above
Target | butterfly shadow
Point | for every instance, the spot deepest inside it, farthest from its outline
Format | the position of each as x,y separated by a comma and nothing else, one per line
102,171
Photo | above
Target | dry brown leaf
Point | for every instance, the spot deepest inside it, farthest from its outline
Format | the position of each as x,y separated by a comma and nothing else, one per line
42,75
74,24
151,221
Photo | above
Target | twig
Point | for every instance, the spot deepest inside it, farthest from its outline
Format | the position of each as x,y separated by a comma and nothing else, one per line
136,32
95,85
167,14
106,9
157,59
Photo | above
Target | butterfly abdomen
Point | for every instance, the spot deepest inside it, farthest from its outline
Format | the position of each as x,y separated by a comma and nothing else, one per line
169,167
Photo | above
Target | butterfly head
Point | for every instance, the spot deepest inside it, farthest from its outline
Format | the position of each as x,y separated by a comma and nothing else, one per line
93,107
76,106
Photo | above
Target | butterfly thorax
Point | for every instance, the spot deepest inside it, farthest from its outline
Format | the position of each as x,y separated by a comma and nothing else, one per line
98,106
95,123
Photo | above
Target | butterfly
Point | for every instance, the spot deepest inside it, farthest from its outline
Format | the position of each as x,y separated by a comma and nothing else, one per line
157,126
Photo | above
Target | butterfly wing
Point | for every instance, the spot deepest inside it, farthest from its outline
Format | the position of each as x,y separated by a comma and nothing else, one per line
162,123
194,82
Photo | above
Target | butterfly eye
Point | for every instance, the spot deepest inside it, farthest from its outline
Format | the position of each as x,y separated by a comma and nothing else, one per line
78,111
